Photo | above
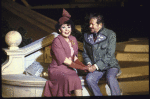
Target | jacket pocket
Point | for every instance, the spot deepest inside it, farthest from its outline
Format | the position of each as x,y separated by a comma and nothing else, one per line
104,46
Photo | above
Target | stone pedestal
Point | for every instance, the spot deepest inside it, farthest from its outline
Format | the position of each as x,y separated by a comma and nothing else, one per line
15,62
20,85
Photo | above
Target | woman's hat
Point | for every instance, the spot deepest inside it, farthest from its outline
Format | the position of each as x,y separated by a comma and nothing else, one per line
65,17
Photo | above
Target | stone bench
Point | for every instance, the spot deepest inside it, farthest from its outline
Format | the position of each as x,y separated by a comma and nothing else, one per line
21,85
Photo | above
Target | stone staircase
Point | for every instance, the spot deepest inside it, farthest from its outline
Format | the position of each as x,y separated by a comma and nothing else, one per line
134,63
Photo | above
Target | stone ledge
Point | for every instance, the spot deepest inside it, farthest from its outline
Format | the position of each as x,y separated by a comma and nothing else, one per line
136,56
133,46
21,91
23,80
138,39
13,85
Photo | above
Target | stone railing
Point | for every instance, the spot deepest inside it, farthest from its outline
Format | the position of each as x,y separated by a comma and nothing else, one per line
14,82
21,58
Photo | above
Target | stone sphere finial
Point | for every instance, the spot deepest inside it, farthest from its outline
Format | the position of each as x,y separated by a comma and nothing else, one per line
13,40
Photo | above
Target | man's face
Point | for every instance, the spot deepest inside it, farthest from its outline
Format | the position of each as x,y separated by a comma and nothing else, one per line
94,26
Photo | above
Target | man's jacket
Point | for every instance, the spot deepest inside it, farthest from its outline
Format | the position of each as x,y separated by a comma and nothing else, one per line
102,51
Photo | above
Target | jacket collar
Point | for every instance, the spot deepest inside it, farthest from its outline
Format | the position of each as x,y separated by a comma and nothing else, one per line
100,37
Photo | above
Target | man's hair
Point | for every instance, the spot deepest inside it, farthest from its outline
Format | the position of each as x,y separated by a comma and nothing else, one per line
98,17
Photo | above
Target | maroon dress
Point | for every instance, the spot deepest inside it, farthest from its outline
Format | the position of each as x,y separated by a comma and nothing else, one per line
62,79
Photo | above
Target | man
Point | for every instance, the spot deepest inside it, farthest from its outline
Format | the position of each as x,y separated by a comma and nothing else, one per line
99,56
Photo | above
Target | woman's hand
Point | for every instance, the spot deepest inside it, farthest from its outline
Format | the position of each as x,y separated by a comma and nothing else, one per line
91,68
67,61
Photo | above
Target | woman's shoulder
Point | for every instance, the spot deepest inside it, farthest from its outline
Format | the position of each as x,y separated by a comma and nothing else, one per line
72,37
56,39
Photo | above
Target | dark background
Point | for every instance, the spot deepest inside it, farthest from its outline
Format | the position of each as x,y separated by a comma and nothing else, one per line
127,22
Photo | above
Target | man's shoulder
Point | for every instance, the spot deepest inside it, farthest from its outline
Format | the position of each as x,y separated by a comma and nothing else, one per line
109,32
86,34
85,37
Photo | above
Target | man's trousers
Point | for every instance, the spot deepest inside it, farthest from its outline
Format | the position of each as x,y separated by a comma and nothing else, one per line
93,78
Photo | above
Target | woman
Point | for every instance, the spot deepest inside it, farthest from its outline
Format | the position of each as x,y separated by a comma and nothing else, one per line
63,79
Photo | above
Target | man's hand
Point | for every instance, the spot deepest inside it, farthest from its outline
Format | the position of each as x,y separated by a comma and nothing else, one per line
91,68
89,65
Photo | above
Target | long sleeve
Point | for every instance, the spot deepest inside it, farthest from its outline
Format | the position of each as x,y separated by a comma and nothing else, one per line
58,51
103,62
85,55
76,47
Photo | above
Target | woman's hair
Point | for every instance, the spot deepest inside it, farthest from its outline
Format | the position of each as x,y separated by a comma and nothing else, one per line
69,22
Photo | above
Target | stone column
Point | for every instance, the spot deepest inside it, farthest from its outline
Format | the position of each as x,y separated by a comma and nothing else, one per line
15,63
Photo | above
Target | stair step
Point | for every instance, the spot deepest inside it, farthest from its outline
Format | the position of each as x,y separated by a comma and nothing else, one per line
128,64
134,71
133,46
129,87
138,39
127,56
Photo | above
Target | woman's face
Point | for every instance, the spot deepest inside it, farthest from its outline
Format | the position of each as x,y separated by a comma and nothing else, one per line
65,30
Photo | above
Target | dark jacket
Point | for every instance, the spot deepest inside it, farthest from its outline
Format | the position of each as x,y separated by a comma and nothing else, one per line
102,51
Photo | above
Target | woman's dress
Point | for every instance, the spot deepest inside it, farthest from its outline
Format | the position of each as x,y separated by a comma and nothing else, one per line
62,79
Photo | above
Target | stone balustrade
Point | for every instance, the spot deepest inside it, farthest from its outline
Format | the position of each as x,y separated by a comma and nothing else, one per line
22,58
14,81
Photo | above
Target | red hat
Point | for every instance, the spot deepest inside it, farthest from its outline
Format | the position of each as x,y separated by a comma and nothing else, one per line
65,17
